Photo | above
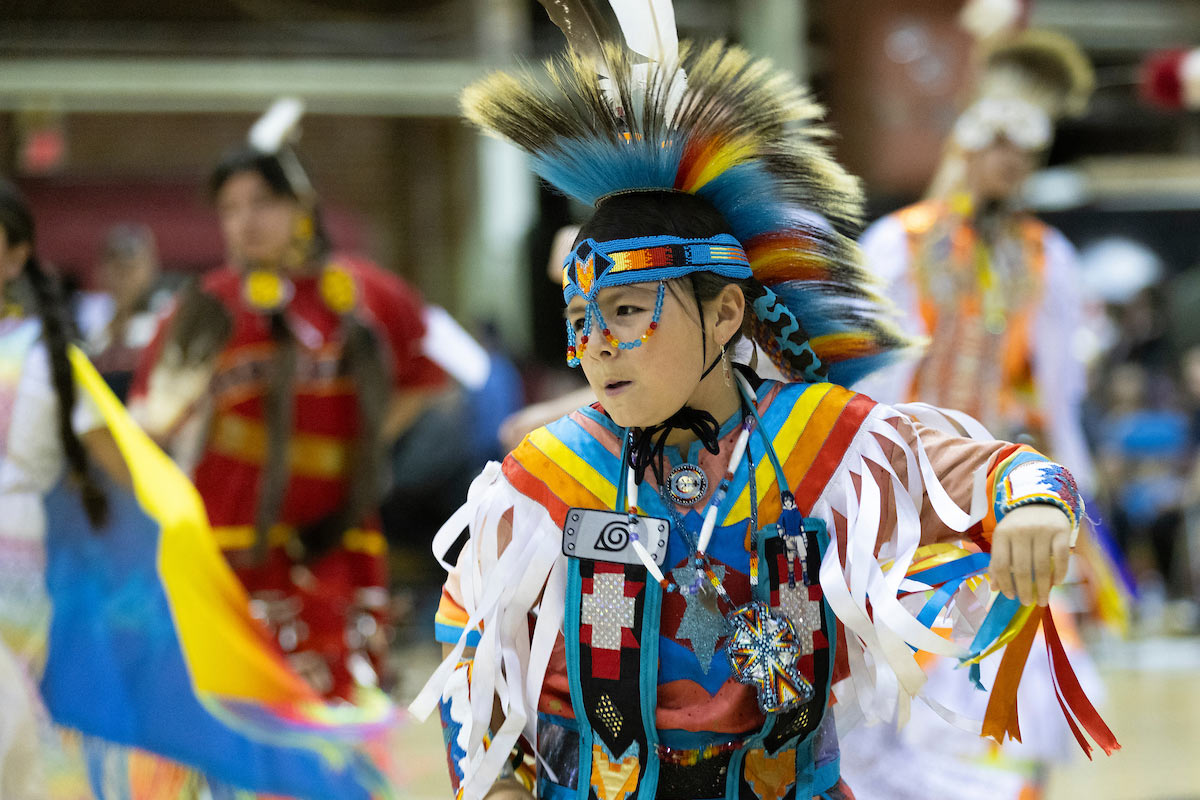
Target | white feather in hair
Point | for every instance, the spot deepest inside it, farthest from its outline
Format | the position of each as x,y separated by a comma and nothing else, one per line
277,126
985,18
649,28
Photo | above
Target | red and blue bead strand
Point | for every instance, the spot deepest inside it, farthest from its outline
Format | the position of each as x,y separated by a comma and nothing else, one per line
573,352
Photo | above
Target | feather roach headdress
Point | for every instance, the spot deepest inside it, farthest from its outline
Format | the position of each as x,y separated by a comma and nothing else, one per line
1042,66
719,124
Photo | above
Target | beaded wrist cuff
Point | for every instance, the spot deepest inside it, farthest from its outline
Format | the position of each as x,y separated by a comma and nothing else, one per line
1040,482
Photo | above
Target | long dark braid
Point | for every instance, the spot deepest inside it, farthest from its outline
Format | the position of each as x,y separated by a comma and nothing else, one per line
17,221
362,362
54,332
278,405
365,366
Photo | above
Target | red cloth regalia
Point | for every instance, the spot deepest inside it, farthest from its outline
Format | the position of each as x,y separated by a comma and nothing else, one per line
328,613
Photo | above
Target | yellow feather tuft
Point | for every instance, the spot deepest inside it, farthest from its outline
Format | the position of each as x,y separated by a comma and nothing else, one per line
720,158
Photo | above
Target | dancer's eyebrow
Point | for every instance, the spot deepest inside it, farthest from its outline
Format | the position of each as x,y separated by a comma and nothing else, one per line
615,294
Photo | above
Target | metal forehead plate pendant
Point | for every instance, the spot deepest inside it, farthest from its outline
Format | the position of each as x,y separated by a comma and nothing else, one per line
605,536
686,484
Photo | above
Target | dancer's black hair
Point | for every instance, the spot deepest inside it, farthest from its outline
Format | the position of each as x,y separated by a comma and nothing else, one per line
17,220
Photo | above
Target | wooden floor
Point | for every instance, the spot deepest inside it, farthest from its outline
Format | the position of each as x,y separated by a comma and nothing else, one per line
1153,707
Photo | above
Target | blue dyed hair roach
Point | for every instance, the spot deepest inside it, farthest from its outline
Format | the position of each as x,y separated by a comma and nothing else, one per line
744,142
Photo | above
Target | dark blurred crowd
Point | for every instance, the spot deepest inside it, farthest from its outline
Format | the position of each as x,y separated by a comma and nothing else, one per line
1142,418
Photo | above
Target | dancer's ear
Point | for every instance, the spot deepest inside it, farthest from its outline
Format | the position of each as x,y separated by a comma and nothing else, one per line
728,310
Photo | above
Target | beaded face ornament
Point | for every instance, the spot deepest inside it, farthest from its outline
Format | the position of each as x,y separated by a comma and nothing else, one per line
593,266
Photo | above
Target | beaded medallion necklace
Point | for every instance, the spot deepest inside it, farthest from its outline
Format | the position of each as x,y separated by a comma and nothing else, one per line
762,646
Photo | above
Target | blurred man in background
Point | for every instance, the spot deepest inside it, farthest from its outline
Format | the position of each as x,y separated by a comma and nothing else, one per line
996,294
993,289
118,321
280,379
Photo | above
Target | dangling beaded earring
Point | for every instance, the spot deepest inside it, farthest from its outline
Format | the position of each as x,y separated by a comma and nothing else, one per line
300,248
725,368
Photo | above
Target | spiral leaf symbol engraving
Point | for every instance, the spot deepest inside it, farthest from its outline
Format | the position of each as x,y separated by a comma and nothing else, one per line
613,537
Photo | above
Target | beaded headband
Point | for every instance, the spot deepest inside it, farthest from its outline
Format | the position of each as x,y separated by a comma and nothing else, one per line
593,266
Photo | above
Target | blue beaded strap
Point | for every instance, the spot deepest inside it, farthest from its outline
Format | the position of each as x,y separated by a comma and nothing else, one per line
769,308
593,265
769,446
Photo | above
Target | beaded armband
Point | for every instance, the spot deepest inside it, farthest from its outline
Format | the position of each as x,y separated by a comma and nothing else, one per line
1040,482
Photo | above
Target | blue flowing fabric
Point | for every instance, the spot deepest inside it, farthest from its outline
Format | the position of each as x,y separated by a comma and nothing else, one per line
116,670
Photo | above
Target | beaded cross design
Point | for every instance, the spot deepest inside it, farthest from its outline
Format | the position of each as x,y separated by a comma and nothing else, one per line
763,652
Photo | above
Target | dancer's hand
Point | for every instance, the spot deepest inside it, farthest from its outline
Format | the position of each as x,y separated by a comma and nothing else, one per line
1031,547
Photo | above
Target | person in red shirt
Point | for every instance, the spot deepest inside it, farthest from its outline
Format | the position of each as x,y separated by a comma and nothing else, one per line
278,381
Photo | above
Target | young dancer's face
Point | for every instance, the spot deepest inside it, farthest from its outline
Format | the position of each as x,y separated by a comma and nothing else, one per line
257,223
644,385
998,171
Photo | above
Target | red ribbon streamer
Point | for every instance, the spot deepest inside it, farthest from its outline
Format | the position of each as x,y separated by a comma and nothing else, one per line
1071,697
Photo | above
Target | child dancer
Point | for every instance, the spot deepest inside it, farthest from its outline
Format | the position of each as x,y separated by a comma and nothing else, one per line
660,590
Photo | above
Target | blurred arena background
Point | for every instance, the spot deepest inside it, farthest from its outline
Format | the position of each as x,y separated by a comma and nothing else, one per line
112,113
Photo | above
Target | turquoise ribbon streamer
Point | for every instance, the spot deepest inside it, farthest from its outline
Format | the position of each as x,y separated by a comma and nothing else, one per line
1000,614
960,567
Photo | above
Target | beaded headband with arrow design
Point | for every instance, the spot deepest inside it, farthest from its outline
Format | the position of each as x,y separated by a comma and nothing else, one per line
593,266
